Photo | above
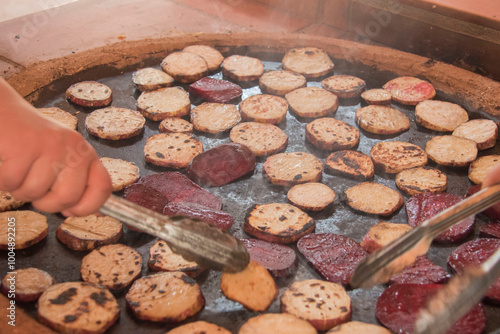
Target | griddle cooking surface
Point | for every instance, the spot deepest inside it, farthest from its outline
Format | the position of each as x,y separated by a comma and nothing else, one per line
238,197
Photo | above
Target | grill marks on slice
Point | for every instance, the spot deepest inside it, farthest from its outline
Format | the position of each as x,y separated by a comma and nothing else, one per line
89,94
323,304
261,138
382,120
330,134
254,287
374,198
421,179
344,86
395,156
278,222
78,307
289,169
90,232
112,266
351,164
30,228
174,150
311,62
162,258
115,123
167,296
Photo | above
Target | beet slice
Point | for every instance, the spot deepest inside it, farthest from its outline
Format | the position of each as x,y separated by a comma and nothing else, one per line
145,196
426,205
176,187
334,256
473,253
423,271
490,230
218,218
215,90
280,260
221,164
398,306
493,211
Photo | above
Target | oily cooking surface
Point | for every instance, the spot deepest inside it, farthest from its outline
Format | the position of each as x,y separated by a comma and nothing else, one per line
238,197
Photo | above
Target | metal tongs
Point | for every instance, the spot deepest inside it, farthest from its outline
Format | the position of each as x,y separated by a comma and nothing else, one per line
462,292
195,240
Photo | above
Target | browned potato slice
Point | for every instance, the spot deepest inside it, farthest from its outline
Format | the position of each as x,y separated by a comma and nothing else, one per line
254,287
212,56
312,102
264,108
261,138
440,115
323,304
185,67
148,79
60,116
395,156
165,102
377,96
78,307
451,151
112,266
311,62
199,327
122,173
330,134
214,117
382,120
410,90
174,150
479,168
26,284
344,86
374,198
281,82
175,124
289,169
278,222
90,232
89,94
353,164
311,196
420,180
353,327
22,228
482,131
382,234
277,323
168,296
7,202
161,258
242,68
115,123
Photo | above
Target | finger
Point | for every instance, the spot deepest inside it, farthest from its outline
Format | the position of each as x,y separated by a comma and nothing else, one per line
96,193
14,171
492,177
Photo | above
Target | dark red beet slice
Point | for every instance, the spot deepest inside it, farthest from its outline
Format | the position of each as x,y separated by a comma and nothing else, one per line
493,211
219,218
176,187
424,206
423,271
221,164
280,260
473,253
215,90
145,196
334,256
490,230
398,306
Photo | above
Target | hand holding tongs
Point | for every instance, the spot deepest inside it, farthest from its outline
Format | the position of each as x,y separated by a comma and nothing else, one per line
382,264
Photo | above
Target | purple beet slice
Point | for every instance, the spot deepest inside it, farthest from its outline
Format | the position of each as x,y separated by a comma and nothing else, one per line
423,271
398,306
221,165
219,218
473,253
145,196
280,260
426,205
334,256
176,187
215,90
490,230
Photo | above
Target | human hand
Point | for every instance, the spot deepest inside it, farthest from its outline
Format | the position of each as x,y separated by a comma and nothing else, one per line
45,163
492,177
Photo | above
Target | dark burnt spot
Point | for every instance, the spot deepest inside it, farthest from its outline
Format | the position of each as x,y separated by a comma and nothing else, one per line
320,304
135,304
70,318
297,177
282,218
97,275
187,141
343,309
178,149
137,262
100,298
188,280
309,53
263,228
153,287
310,300
64,297
297,294
351,163
160,155
161,291
313,285
120,253
131,272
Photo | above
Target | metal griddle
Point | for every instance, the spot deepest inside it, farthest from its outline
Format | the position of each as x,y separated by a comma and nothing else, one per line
239,196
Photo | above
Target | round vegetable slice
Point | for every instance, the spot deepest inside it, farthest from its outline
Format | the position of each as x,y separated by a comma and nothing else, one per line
242,68
264,108
115,123
185,67
162,258
30,228
382,234
382,120
175,124
8,202
480,167
423,271
410,90
211,55
352,164
89,94
484,132
311,62
377,96
421,179
330,134
27,283
215,117
451,151
199,327
174,150
123,173
440,115
374,198
344,86
395,156
281,82
352,327
260,138
311,196
278,323
148,79
312,102
289,169
164,102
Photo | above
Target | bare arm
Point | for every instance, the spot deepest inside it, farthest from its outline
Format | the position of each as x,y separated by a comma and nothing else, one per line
45,163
